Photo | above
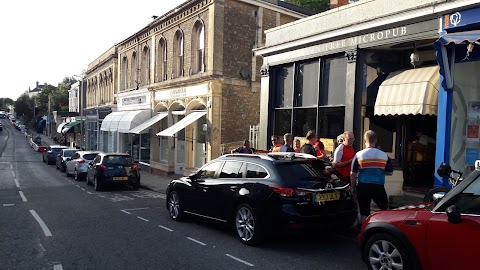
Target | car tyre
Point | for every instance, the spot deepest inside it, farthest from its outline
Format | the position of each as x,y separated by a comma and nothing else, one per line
387,252
43,159
174,206
136,185
63,169
76,176
88,181
96,184
66,173
247,225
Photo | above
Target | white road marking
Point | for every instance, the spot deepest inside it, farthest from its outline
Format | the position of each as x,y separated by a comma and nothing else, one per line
8,204
126,212
82,189
196,241
13,173
11,165
144,219
24,199
132,209
42,224
239,260
165,228
77,186
57,266
89,192
16,182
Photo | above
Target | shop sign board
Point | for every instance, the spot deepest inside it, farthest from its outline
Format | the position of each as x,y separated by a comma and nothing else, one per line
134,100
182,92
460,18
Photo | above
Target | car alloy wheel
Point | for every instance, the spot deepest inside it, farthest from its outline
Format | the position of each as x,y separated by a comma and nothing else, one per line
96,184
75,173
246,225
174,207
386,252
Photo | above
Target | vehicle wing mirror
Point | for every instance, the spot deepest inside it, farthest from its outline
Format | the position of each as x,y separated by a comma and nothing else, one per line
68,159
453,214
193,177
90,163
444,170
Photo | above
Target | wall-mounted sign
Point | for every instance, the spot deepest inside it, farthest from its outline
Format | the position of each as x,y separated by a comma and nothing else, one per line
134,100
182,92
461,18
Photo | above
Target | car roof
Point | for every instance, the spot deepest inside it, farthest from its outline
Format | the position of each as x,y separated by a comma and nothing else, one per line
89,152
69,149
115,154
58,146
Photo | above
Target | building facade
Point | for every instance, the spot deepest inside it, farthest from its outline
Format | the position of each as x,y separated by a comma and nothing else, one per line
189,85
374,68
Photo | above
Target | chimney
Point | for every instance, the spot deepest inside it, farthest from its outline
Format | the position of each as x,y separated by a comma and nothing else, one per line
338,3
37,83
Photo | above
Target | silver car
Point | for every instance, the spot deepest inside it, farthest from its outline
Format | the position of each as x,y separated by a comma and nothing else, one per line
77,165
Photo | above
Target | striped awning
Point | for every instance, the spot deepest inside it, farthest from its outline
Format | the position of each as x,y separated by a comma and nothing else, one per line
413,91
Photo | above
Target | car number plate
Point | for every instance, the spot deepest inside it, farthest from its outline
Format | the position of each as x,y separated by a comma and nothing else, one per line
326,197
120,178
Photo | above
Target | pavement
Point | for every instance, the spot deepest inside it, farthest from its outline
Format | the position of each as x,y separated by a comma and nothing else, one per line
159,183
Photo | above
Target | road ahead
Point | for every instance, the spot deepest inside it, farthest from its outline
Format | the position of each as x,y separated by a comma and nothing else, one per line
49,221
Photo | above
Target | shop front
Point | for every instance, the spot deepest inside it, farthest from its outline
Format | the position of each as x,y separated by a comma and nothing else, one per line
458,56
119,132
358,81
94,118
182,129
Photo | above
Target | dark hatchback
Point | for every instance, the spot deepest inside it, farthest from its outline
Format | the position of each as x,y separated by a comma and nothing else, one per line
259,193
111,168
50,156
62,157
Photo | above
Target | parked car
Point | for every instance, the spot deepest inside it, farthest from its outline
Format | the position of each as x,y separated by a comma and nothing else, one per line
110,168
412,237
50,156
62,157
259,193
77,165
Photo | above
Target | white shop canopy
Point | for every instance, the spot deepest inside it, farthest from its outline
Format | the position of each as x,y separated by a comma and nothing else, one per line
413,91
147,124
187,120
124,121
60,127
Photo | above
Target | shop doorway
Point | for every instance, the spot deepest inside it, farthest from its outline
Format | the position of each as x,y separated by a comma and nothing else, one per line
179,160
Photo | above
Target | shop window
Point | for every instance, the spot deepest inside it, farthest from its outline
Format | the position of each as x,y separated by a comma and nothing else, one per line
303,121
145,147
231,169
334,77
330,122
199,143
385,128
306,86
283,122
284,87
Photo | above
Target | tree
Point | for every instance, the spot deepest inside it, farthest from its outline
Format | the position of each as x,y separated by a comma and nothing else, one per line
4,102
313,5
24,107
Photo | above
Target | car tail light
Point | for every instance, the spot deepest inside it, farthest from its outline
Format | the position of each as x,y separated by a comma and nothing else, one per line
81,161
135,167
101,167
290,192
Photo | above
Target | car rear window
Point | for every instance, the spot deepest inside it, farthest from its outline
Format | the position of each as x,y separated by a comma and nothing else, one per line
56,150
69,153
301,170
89,156
118,160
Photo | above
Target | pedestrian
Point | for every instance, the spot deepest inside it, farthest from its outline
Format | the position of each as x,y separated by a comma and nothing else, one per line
287,147
245,149
320,148
343,156
276,143
308,147
370,165
297,146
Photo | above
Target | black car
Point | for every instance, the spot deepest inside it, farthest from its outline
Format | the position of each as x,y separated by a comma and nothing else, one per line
258,193
50,156
63,157
109,168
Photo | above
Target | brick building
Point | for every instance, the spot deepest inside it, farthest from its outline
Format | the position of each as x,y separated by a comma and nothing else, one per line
189,84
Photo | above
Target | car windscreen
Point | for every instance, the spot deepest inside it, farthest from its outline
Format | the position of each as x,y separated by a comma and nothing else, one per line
56,150
118,160
89,156
301,170
69,153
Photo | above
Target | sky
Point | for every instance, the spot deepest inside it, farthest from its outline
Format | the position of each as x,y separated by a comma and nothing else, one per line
49,40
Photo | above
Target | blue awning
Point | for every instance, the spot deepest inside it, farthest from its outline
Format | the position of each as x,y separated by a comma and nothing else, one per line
460,37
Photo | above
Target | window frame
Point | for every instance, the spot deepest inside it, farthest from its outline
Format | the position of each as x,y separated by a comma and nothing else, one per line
240,171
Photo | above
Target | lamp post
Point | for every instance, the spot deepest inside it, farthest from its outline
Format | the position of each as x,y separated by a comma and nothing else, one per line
81,107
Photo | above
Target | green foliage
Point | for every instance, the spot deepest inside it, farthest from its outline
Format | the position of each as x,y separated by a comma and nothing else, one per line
314,5
58,97
4,102
24,107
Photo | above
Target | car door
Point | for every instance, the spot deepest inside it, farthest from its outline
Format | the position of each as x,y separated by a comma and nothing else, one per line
223,190
92,167
199,199
70,165
455,246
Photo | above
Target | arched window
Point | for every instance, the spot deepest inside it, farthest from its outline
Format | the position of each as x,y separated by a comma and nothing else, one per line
198,48
178,55
162,60
125,76
145,80
134,71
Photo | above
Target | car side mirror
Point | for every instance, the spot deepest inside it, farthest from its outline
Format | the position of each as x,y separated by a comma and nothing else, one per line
193,177
90,163
68,159
453,214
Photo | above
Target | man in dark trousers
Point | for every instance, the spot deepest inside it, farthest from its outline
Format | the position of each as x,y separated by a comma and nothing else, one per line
370,165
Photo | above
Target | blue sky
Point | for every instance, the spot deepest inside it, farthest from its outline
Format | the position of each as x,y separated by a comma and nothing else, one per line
48,40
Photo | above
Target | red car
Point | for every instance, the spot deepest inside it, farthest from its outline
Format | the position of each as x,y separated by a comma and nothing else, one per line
445,235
